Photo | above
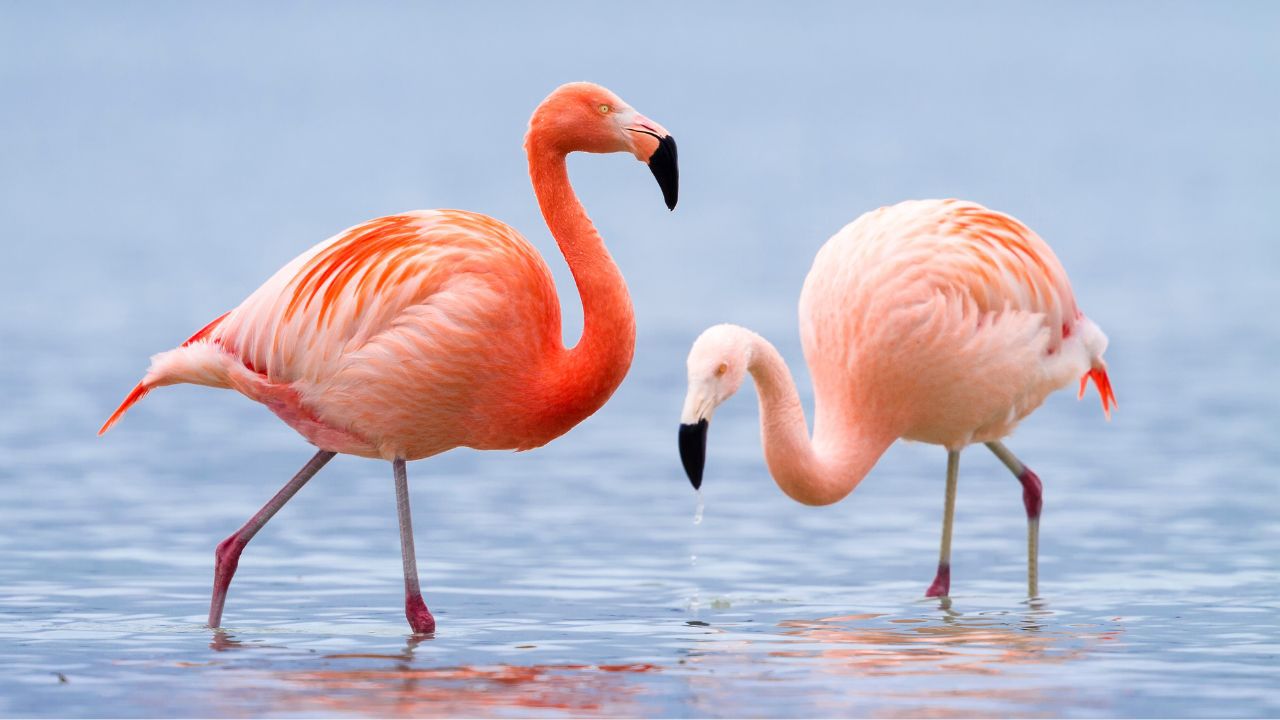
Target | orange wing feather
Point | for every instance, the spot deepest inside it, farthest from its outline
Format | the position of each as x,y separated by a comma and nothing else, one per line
1040,272
331,300
372,249
1004,244
1103,383
137,393
140,390
327,303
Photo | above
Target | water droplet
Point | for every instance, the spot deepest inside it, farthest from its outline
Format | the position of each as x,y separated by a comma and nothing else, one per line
697,510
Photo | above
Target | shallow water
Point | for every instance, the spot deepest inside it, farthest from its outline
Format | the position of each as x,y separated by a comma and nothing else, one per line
169,160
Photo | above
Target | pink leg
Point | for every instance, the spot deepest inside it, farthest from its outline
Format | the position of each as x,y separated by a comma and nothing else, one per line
227,556
415,609
1033,501
941,586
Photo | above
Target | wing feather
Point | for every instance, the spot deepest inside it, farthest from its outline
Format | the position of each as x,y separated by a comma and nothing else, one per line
961,249
337,296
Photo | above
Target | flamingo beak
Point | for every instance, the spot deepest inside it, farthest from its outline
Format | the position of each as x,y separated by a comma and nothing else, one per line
693,450
662,160
666,170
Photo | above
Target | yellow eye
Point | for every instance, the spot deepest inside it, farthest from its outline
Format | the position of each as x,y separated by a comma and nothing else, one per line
604,108
724,368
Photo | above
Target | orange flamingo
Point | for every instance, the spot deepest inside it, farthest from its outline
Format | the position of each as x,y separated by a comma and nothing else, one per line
935,320
413,334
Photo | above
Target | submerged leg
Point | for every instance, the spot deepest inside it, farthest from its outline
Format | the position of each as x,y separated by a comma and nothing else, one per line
941,586
227,555
1033,500
414,608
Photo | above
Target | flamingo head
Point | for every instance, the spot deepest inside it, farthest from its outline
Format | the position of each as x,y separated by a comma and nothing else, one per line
586,117
718,363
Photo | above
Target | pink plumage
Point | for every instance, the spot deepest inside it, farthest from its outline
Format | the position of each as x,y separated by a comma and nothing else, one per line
412,334
951,321
402,337
936,320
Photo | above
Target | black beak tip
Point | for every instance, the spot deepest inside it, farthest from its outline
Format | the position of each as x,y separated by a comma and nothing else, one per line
693,450
665,167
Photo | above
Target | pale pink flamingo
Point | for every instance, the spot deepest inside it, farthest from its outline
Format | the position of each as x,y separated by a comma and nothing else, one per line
938,321
412,334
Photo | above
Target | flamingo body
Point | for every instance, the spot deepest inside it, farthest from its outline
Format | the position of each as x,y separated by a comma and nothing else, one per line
415,333
943,322
939,321
402,337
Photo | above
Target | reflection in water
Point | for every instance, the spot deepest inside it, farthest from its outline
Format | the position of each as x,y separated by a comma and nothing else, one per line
945,664
880,661
403,689
222,641
985,644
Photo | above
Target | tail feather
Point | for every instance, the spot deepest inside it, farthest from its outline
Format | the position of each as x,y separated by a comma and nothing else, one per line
162,372
1100,380
138,392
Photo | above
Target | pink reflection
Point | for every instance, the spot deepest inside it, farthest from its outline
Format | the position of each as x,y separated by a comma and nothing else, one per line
954,666
462,691
974,645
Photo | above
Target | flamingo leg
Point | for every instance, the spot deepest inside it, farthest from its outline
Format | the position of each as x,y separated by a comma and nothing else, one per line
414,608
941,586
1033,500
227,554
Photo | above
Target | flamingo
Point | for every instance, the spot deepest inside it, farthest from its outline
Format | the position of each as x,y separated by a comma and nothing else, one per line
413,334
938,321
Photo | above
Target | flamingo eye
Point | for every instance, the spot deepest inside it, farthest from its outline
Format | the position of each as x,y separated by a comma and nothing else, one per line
604,108
722,369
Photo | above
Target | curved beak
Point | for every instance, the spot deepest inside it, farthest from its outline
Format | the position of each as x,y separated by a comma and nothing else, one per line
666,170
662,159
693,450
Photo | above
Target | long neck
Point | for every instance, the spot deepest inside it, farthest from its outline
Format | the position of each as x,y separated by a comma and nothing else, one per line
817,472
580,379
